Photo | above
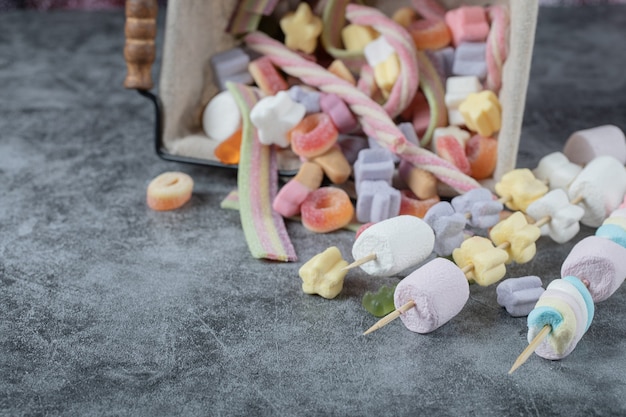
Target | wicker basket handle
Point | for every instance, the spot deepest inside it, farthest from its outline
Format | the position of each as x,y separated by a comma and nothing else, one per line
140,49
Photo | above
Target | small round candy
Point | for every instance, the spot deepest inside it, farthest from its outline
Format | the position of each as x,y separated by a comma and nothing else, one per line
169,191
313,136
326,209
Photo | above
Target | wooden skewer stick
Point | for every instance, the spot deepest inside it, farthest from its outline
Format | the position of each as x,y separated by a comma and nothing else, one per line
545,220
372,256
403,309
530,349
359,262
390,317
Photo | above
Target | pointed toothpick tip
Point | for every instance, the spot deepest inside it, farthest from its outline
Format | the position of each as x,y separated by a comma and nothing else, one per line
530,349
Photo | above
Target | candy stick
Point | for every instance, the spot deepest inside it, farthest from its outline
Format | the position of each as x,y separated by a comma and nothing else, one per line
367,85
405,87
247,15
375,121
402,309
530,349
429,9
333,18
497,46
431,85
257,179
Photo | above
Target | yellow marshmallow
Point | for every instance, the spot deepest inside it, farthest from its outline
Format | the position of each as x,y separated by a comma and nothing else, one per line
617,221
482,113
322,274
520,235
387,72
404,16
520,188
301,29
355,37
487,260
338,68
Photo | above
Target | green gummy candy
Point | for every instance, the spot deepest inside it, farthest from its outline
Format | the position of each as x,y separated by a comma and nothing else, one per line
380,303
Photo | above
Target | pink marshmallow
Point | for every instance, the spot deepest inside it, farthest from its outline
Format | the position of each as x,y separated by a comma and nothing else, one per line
288,200
339,113
585,145
598,261
467,24
439,290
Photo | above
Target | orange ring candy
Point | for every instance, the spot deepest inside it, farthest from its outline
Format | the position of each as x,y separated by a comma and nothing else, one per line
326,209
313,136
169,191
482,154
430,34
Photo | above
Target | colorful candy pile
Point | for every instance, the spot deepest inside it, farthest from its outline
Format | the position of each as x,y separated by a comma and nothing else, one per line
420,83
557,317
406,110
375,115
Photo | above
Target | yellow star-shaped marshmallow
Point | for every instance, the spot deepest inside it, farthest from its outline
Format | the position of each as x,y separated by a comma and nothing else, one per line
301,29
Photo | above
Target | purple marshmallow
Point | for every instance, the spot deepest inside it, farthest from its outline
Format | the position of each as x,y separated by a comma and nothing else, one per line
338,110
351,146
408,131
308,98
448,227
230,65
442,60
519,295
373,165
377,201
479,203
470,59
373,143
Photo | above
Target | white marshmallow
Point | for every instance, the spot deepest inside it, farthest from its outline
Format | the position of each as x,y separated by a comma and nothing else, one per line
455,118
602,185
274,116
564,217
557,170
458,88
399,243
439,290
377,51
221,117
563,177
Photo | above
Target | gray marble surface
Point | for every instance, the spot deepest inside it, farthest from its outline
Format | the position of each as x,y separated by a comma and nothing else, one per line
109,308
